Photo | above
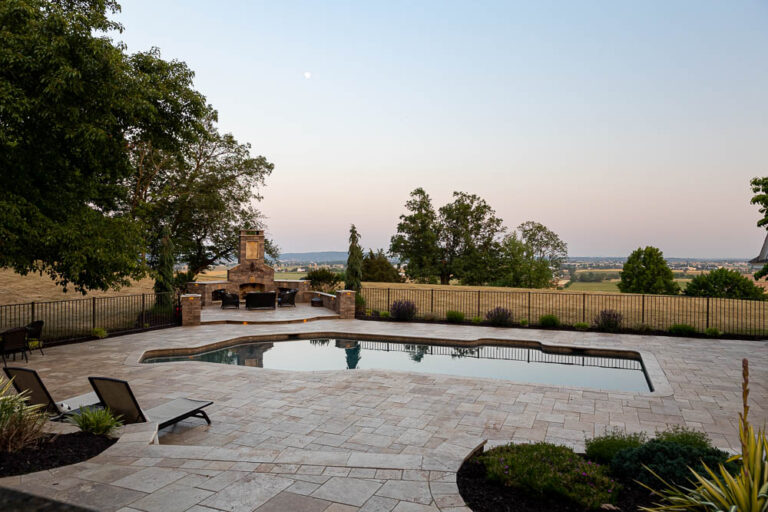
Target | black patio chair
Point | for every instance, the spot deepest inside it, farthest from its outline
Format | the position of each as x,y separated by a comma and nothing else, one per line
230,300
118,396
13,341
26,379
287,298
260,300
35,333
217,294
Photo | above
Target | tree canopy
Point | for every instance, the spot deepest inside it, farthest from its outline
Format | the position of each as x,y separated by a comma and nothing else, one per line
646,271
760,198
100,151
416,241
724,283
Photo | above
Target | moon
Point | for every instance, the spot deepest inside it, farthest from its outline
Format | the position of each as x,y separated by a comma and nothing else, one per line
307,75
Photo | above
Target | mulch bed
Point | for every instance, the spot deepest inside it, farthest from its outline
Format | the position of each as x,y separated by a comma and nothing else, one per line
53,452
483,496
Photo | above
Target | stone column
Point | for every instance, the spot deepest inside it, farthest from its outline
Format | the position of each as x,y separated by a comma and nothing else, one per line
190,309
195,288
345,304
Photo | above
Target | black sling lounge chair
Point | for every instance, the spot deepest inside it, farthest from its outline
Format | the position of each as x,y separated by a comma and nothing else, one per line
26,379
117,395
12,341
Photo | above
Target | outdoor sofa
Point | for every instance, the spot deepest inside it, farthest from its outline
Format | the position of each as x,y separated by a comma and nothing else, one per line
118,396
260,300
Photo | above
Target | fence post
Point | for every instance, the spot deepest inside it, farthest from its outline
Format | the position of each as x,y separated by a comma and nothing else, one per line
33,312
432,301
143,309
93,311
530,320
707,312
478,302
583,307
387,299
642,311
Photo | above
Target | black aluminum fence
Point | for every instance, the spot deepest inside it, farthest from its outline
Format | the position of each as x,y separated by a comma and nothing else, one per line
655,312
80,318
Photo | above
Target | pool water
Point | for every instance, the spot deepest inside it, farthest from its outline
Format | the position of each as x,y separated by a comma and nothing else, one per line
488,361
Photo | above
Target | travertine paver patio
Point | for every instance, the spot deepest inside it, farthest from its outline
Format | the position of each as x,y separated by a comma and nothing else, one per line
365,439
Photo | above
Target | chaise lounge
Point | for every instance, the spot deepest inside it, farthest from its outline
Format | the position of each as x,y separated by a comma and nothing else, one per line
118,396
26,379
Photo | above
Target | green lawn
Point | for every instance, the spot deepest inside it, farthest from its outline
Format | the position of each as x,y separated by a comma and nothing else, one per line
611,286
289,275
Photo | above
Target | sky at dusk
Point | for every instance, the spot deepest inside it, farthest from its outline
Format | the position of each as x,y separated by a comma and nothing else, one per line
616,124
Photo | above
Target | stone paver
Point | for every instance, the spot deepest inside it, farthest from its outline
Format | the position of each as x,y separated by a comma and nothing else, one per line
362,440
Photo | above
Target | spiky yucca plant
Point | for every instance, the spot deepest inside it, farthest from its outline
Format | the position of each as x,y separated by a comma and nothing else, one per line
21,424
719,491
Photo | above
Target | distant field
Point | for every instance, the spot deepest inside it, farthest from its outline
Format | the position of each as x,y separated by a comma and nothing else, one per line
220,274
16,289
290,275
611,286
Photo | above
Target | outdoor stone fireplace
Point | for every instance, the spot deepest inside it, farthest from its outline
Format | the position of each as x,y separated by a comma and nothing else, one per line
251,274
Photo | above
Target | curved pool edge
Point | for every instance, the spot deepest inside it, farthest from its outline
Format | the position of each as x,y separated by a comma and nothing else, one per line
656,378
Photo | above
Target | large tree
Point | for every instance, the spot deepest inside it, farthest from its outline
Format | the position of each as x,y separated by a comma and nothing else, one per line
530,257
646,271
71,102
416,241
203,193
724,283
469,239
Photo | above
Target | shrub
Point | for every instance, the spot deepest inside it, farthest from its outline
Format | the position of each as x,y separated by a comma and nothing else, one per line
670,461
685,436
97,421
383,314
454,316
724,491
403,310
359,304
643,328
21,424
713,332
682,330
547,469
477,320
99,332
523,322
430,317
499,317
608,320
549,321
603,448
324,280
581,326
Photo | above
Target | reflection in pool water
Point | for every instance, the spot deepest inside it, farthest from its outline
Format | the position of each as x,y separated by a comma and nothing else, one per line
500,362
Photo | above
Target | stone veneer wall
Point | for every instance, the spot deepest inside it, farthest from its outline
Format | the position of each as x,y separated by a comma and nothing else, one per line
190,309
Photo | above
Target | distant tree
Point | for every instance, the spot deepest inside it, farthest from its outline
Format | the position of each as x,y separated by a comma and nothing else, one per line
71,102
469,240
724,283
354,274
378,269
530,257
417,240
324,280
646,271
760,189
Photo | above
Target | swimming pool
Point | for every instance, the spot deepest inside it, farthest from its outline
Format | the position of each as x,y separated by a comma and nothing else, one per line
519,364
